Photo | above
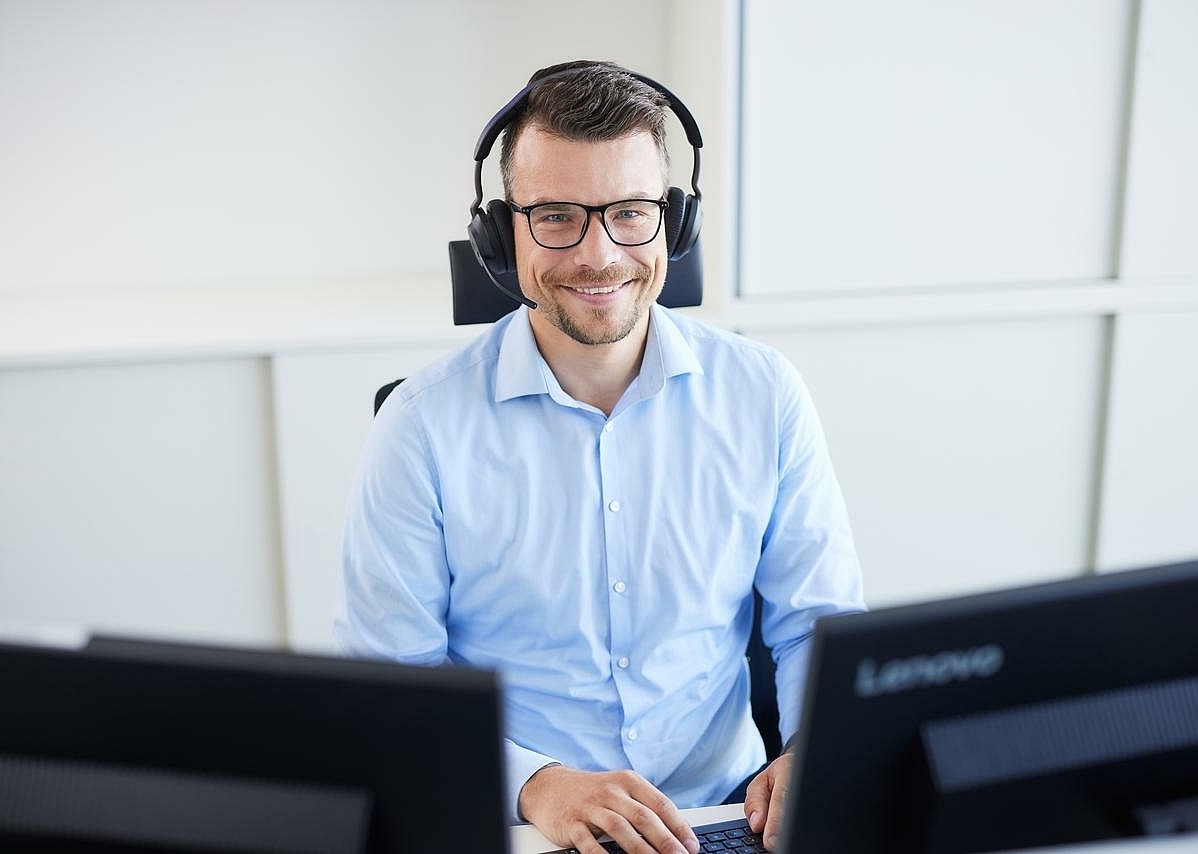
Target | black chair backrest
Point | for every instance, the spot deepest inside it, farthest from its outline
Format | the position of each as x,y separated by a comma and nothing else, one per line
763,695
381,394
477,300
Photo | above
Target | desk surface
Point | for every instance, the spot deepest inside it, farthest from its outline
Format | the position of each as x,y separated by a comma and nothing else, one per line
526,840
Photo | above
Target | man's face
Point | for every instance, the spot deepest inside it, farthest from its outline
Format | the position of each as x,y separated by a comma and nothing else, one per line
597,292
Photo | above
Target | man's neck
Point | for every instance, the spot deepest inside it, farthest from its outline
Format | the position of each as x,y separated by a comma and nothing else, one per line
597,374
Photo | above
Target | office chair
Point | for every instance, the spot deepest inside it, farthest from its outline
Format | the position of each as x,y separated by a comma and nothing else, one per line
381,394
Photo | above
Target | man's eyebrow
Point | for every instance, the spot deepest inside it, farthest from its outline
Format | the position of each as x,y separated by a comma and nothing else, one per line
546,200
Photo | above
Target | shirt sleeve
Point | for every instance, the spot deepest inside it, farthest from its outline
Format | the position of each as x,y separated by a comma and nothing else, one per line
522,763
808,566
395,576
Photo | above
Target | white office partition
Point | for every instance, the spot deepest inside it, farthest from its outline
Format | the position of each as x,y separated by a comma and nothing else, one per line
930,142
1149,510
1161,229
199,143
966,451
1150,480
140,498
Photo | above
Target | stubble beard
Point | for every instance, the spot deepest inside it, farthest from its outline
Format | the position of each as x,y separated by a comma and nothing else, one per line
606,327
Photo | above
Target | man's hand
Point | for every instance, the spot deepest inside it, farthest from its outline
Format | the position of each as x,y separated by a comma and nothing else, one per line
572,808
765,799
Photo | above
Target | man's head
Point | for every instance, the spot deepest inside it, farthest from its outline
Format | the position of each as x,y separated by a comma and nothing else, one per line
592,135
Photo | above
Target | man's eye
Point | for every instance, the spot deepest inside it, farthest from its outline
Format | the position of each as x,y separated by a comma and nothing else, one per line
553,216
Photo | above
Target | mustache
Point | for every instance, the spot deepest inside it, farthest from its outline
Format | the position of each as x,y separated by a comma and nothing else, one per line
611,274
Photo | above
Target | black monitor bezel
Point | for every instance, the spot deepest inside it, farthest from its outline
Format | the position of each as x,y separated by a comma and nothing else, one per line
859,778
423,743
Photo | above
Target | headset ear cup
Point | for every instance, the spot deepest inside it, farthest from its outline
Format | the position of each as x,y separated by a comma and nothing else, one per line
675,212
479,232
502,235
683,218
490,233
688,234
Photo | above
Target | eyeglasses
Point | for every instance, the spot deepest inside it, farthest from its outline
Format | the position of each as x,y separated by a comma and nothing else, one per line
560,225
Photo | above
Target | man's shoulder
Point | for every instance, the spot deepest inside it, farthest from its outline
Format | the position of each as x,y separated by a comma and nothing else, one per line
465,370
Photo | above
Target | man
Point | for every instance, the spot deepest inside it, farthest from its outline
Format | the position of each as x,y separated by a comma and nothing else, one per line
585,497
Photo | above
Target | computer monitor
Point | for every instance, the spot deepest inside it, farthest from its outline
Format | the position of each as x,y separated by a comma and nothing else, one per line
129,745
1056,713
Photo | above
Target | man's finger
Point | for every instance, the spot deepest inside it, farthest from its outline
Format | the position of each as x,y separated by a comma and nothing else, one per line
663,814
757,800
777,809
683,833
639,831
583,840
657,835
622,831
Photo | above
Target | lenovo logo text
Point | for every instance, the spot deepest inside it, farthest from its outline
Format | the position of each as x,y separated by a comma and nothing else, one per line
927,671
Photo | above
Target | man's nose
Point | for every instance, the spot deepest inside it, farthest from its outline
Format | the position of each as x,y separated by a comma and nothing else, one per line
596,249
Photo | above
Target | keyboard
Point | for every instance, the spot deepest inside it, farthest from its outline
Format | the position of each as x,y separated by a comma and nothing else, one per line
722,837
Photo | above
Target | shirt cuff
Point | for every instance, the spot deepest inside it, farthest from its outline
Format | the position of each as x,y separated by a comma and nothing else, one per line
522,763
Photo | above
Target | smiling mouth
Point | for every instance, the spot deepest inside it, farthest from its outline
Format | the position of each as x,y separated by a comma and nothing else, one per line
602,289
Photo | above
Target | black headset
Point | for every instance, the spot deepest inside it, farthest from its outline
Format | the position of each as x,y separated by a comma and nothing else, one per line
492,234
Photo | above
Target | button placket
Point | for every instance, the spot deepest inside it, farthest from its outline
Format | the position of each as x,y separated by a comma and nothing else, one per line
616,552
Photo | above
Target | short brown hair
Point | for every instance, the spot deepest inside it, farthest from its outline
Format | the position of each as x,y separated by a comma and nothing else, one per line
588,101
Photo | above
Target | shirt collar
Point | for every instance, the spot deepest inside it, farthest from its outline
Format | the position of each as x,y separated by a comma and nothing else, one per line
521,369
667,353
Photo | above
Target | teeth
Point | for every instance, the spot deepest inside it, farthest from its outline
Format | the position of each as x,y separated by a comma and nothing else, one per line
611,289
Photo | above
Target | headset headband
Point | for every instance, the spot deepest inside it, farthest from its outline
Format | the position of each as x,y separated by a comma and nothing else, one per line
490,133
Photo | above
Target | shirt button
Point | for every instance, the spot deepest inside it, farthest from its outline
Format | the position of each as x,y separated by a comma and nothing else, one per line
632,734
619,587
622,662
613,506
607,428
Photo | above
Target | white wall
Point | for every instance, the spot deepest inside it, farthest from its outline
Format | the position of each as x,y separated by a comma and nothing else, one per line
893,145
966,451
973,226
212,143
140,498
222,226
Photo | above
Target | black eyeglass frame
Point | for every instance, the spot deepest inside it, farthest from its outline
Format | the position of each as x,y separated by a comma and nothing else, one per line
527,210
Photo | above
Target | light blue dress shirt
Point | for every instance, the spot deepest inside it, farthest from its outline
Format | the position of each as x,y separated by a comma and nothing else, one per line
603,565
